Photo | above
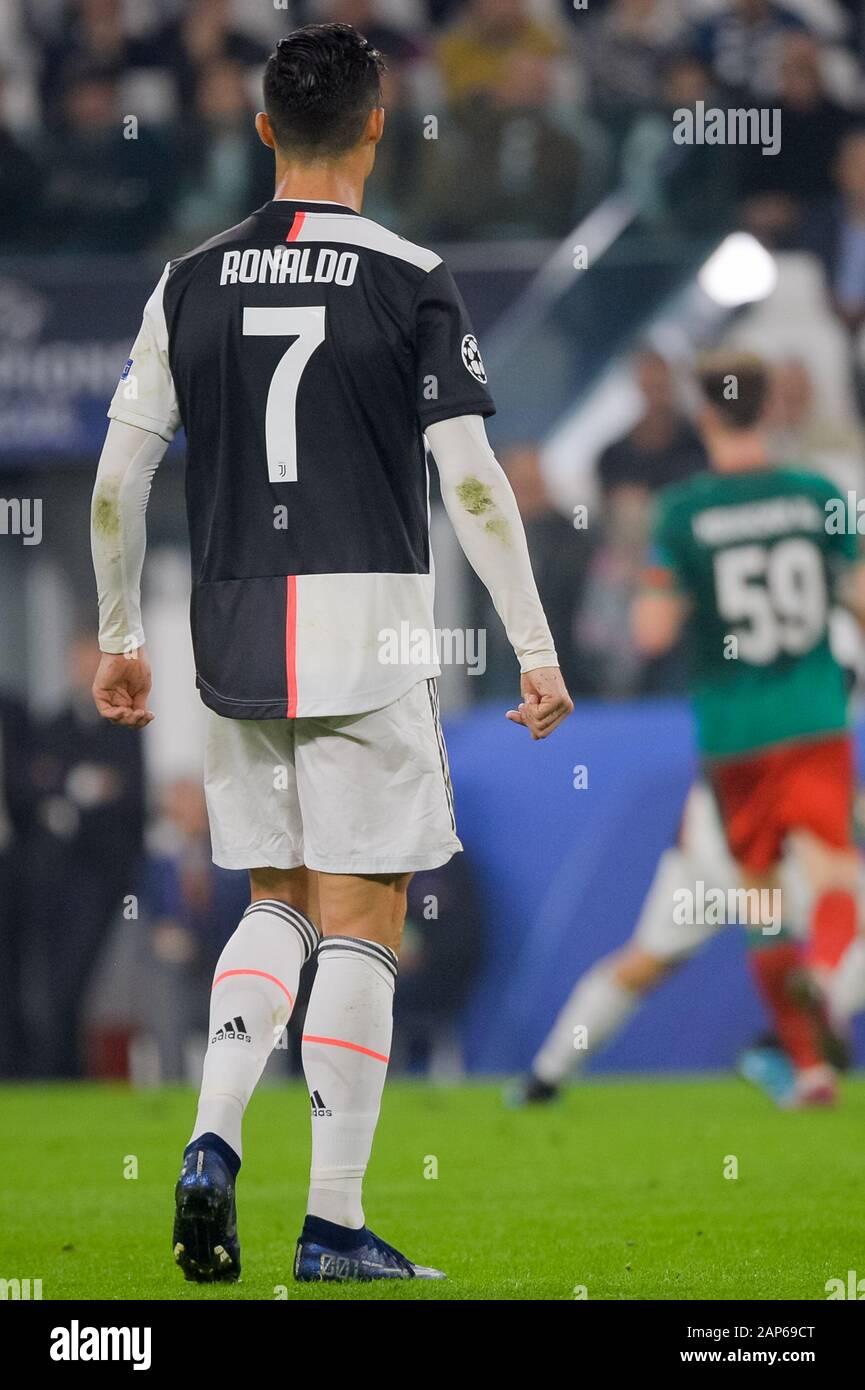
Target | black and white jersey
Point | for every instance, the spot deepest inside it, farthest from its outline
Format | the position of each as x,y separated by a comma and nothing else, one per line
305,351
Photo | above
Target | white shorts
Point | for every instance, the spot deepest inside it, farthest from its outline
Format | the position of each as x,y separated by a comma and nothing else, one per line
347,794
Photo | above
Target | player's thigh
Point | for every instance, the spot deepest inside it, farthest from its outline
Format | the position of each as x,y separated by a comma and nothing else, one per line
665,929
374,789
747,792
251,788
818,811
369,906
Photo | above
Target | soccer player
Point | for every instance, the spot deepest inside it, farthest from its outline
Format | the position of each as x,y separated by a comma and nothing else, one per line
748,554
607,996
306,352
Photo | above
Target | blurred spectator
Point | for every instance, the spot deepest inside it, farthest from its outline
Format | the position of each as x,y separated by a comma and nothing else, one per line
90,34
624,48
476,55
803,436
401,158
89,811
742,45
201,35
227,170
835,233
560,557
678,187
108,185
663,447
20,188
516,170
612,664
396,45
440,960
780,188
191,907
16,806
856,26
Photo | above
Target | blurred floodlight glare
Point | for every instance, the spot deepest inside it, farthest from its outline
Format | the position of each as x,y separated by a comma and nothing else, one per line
740,271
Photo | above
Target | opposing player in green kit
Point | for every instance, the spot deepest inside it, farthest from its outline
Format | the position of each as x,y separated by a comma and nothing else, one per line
751,558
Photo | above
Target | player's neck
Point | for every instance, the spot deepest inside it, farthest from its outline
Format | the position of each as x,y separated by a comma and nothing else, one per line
743,452
321,183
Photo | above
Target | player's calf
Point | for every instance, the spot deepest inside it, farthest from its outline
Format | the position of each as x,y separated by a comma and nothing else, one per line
833,874
254,989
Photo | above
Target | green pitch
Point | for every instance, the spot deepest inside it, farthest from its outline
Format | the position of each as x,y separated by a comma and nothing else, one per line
619,1189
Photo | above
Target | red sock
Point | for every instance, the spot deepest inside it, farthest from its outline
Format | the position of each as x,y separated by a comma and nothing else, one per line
771,967
833,927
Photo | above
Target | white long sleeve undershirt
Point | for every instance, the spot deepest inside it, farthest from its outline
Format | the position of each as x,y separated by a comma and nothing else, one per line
483,511
475,491
118,531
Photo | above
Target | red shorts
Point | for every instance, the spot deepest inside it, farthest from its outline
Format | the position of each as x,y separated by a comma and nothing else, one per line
799,786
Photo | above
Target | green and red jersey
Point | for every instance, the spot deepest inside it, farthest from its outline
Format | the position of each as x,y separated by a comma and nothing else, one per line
758,555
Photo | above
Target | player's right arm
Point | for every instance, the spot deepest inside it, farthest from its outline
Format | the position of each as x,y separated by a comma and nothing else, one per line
143,419
483,511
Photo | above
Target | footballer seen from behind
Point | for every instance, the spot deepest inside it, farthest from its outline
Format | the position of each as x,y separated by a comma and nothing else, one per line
751,556
307,352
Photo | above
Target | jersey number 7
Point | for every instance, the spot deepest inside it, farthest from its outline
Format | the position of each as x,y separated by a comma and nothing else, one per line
306,326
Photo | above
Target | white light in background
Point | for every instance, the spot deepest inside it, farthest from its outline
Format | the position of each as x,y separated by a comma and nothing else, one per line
740,271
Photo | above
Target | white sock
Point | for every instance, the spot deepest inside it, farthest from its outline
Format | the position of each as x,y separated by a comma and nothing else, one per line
254,989
599,1005
346,1045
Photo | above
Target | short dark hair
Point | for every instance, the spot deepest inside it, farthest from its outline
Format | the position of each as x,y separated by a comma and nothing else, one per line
741,407
320,85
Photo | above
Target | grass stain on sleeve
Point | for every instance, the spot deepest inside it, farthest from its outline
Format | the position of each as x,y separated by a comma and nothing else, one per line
475,496
498,526
106,511
477,499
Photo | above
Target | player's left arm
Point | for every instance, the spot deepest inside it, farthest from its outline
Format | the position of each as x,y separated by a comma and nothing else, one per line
452,402
661,608
657,619
143,419
483,511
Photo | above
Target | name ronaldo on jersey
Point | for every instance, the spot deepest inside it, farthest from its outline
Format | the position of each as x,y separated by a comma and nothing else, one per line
294,265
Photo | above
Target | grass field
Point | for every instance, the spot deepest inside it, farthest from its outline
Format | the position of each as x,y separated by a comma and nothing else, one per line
620,1188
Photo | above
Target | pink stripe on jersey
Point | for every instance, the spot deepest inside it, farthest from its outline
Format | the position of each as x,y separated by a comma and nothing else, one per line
291,645
296,224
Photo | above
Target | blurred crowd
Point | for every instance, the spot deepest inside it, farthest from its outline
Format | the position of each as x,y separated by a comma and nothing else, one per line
127,124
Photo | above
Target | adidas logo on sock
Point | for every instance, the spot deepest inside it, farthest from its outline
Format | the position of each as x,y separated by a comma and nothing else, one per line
319,1109
234,1029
